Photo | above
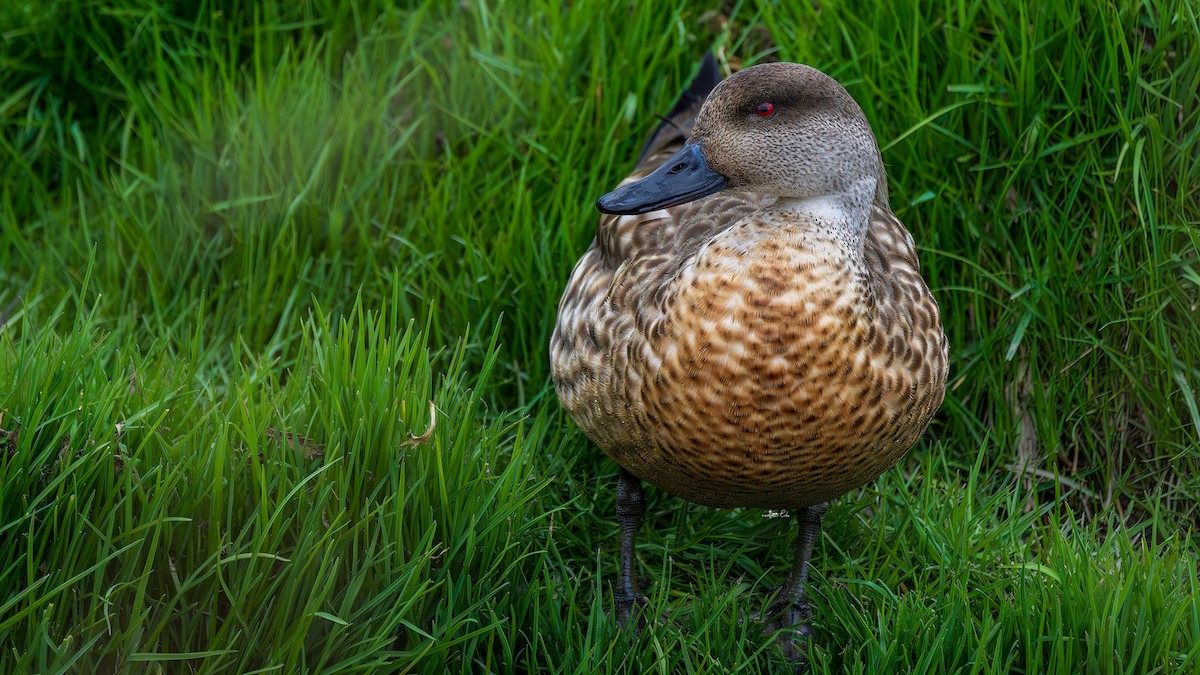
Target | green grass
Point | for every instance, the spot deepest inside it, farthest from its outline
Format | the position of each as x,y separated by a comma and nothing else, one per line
243,249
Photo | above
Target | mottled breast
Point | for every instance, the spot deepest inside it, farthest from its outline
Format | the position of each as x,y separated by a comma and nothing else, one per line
767,366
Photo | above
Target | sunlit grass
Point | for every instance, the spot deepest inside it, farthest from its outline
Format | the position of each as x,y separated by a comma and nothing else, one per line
244,249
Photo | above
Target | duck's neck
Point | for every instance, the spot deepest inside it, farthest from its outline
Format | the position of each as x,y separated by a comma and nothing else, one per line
837,219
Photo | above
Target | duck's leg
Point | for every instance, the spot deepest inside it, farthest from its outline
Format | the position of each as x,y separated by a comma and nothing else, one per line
794,592
631,506
790,609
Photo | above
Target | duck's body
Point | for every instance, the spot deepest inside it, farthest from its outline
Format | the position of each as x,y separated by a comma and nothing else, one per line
750,326
738,351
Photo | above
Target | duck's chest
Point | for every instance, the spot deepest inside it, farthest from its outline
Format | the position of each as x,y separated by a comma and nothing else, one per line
758,333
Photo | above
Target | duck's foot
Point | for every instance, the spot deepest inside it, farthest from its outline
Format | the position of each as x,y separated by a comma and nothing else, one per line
789,622
631,612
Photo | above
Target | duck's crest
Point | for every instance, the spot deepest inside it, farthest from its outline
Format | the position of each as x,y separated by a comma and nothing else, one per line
677,125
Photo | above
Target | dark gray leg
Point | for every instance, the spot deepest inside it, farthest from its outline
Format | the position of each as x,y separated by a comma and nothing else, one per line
790,609
631,506
794,590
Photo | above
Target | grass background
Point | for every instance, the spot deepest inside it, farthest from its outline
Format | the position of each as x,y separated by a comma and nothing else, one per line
245,246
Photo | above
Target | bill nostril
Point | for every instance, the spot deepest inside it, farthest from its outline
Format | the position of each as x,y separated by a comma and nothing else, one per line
678,167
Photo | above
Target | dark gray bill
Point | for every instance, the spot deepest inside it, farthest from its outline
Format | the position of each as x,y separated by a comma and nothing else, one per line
683,178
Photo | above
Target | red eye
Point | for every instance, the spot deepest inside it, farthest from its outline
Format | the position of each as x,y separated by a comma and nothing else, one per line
765,109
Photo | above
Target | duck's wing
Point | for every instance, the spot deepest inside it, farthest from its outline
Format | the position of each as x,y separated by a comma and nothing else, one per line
904,308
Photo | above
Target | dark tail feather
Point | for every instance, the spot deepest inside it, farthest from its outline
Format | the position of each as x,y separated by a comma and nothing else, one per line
677,124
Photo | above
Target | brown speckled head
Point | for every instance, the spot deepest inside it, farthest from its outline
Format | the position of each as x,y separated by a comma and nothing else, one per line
815,141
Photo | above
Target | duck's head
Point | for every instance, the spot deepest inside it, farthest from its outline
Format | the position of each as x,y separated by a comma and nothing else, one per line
778,128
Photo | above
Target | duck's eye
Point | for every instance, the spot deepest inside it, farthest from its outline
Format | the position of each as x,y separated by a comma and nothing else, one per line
765,109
